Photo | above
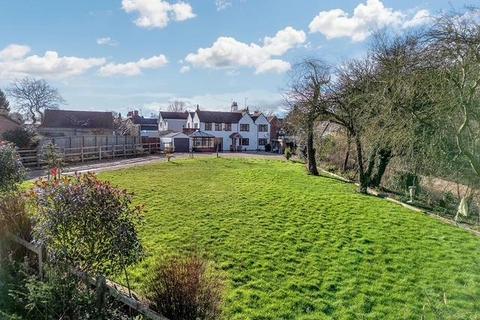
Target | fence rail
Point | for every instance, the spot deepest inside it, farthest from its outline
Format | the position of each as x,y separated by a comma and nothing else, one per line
33,157
101,284
91,140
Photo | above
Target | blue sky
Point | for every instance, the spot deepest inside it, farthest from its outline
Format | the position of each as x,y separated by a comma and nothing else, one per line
141,54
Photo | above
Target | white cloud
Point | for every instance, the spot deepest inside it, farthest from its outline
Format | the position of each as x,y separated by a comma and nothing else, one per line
14,62
273,65
366,17
157,13
256,99
227,52
133,68
107,41
184,69
14,51
420,18
222,4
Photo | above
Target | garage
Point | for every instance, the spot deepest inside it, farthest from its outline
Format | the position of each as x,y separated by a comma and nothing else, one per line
179,141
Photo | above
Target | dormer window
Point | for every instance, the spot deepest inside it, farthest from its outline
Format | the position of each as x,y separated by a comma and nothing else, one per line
218,127
244,127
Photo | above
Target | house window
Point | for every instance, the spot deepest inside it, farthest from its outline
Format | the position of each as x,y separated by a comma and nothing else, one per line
262,128
218,127
195,125
227,127
245,141
262,142
203,142
208,126
244,127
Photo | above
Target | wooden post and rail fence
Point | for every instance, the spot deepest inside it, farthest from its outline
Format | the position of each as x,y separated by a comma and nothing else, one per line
102,285
33,157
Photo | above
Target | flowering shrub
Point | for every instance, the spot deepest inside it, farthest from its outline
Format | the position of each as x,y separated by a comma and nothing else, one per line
87,223
12,171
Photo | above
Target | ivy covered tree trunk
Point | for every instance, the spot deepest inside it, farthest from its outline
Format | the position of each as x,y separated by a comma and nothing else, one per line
371,164
347,154
363,179
385,155
311,162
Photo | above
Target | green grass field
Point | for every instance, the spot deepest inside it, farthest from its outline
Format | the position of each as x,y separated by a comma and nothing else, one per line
293,246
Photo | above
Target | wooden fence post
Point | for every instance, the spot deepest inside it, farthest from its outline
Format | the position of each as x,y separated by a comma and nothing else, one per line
100,291
38,156
42,256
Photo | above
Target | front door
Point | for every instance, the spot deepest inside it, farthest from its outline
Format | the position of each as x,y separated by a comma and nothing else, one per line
234,144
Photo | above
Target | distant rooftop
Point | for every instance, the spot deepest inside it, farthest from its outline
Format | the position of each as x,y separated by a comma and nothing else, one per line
174,115
77,119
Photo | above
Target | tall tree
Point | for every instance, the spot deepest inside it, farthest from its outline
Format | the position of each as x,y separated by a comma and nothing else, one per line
402,101
307,97
454,48
177,106
353,105
33,97
4,104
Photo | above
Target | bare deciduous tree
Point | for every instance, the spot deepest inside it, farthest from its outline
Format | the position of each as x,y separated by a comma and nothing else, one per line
33,97
4,104
307,97
177,106
352,103
455,47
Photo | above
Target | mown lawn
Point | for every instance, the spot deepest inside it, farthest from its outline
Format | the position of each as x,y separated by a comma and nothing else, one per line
293,246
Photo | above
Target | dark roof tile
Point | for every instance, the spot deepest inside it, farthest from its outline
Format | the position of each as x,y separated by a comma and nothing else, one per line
77,119
174,115
219,116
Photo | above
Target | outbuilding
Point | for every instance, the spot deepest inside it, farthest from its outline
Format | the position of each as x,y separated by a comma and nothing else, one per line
179,141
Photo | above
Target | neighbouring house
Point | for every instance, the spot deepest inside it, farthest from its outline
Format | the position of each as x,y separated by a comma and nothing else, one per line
7,123
278,138
276,127
147,128
172,121
125,127
58,123
178,141
229,131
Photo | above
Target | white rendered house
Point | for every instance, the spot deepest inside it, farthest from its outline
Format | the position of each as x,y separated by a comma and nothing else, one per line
172,121
233,131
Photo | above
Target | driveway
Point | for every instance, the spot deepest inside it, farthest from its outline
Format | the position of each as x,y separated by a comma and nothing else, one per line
117,164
